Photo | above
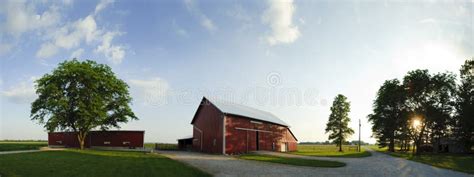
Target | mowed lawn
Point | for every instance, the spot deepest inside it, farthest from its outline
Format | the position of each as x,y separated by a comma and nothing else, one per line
330,151
161,146
292,161
87,163
21,145
458,162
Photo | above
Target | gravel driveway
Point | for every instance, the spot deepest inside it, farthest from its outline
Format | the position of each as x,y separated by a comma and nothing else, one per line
376,165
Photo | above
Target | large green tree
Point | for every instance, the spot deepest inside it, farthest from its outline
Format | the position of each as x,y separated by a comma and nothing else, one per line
464,124
387,118
337,124
81,96
430,104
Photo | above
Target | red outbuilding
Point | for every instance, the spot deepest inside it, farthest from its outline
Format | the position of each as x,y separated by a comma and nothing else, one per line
112,139
227,128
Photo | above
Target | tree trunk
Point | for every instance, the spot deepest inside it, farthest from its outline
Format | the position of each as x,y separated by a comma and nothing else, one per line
419,139
417,149
405,145
418,144
340,141
81,137
408,145
402,145
340,145
391,145
405,148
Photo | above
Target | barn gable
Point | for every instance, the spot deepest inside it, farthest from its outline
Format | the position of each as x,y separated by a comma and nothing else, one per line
208,128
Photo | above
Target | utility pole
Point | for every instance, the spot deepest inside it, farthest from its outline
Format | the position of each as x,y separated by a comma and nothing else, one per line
359,135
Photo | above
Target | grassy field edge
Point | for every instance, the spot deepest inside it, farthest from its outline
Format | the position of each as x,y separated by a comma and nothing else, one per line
292,161
21,145
330,151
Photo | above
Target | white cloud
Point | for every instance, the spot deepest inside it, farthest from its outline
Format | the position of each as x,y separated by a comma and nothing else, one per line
427,20
151,92
71,35
180,31
26,16
23,93
77,53
22,17
83,31
302,21
279,17
102,5
208,24
205,21
68,2
19,17
47,50
114,53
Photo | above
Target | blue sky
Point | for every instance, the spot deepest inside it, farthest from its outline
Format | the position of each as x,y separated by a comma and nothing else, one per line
287,57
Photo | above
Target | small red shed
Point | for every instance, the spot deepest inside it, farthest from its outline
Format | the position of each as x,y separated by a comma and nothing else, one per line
228,128
113,139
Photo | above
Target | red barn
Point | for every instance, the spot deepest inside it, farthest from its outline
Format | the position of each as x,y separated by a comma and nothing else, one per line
113,139
228,128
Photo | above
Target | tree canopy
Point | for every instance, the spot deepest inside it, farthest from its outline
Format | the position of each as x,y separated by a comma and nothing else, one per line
80,96
424,108
337,125
464,122
388,113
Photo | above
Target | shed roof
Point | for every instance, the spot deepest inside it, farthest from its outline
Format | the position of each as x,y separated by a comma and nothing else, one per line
245,111
186,137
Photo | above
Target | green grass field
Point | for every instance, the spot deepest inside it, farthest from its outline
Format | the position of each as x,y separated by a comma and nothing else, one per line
330,151
76,163
292,161
162,146
458,162
21,145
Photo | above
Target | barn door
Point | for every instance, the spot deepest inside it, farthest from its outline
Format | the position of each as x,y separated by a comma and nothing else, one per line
258,146
283,147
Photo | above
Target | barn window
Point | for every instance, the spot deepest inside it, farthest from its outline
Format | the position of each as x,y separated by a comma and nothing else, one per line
214,142
106,142
59,142
126,142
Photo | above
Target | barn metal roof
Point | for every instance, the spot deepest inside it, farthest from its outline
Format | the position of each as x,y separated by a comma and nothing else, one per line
245,111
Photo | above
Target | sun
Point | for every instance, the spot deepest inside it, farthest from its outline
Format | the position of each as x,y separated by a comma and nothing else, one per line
416,123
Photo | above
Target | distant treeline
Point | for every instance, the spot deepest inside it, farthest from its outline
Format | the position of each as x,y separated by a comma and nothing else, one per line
355,142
